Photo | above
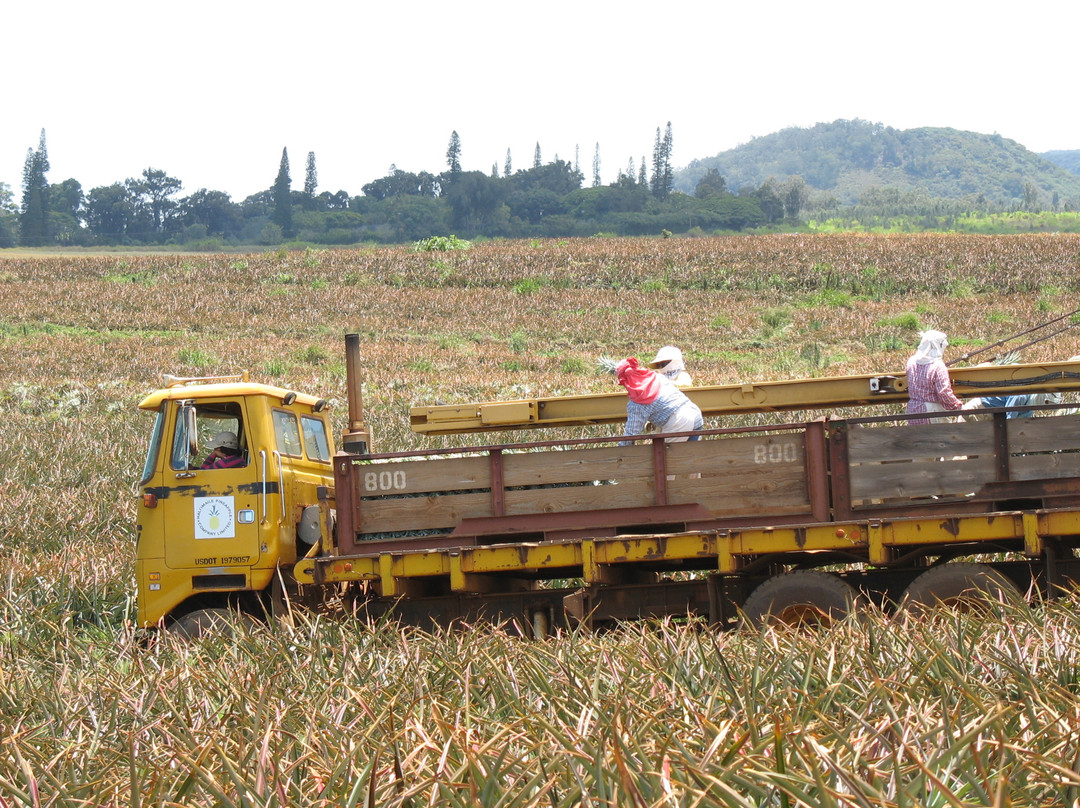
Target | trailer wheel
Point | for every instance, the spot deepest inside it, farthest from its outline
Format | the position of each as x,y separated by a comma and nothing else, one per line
958,585
804,598
207,622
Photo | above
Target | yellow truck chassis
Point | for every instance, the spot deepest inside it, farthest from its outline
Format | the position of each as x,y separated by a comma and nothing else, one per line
802,520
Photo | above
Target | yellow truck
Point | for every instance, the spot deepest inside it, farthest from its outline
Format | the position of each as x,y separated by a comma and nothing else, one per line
800,520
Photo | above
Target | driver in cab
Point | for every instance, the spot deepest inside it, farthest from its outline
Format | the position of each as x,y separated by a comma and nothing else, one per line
225,452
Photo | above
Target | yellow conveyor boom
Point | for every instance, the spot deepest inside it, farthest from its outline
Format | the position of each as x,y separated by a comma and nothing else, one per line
726,399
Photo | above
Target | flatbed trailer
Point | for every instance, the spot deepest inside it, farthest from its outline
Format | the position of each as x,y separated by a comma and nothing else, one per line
662,529
792,521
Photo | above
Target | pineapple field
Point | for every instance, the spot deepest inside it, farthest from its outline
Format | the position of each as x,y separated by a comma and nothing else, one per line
962,709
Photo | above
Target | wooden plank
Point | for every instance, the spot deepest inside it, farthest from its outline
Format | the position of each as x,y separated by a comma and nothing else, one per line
1043,434
1052,465
756,474
922,478
421,513
780,490
629,493
422,476
736,455
876,444
577,465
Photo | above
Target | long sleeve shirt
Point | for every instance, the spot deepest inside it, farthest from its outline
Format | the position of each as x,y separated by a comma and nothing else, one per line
1013,401
929,384
224,462
660,411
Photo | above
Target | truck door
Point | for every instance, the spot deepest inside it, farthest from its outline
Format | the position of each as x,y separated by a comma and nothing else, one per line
211,510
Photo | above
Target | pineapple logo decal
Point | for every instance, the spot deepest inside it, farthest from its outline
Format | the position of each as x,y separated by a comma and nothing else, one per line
214,518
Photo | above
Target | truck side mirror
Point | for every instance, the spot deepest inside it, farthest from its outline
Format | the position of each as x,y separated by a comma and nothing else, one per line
191,434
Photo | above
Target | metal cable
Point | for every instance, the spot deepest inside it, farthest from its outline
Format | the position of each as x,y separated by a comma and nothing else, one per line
966,357
1060,374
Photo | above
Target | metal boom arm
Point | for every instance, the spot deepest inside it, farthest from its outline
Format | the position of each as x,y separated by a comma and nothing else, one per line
725,399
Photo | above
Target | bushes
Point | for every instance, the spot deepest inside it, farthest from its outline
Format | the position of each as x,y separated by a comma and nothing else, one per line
441,244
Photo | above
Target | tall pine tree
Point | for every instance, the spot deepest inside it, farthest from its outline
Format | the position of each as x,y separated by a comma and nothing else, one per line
596,167
663,176
7,238
668,174
311,181
453,153
34,214
281,194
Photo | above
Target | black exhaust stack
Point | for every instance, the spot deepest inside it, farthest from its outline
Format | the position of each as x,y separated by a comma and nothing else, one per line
357,438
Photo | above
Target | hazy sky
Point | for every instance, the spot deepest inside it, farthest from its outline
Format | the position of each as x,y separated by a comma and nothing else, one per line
211,92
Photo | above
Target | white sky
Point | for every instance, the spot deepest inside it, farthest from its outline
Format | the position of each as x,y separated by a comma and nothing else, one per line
211,92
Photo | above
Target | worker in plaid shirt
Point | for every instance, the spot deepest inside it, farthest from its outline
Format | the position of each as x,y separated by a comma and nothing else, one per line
929,386
656,400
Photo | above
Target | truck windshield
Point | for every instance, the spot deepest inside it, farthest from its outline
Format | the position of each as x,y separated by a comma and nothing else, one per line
154,447
287,433
318,447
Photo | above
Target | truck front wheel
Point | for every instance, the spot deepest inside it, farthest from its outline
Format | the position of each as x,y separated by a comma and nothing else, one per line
803,598
205,622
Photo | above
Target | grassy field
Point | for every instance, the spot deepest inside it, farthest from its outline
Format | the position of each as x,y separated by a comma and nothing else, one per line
976,711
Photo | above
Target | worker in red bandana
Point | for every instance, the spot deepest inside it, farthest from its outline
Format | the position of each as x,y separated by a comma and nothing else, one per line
655,400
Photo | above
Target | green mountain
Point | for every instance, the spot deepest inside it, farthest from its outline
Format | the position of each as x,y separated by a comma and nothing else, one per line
848,158
1068,159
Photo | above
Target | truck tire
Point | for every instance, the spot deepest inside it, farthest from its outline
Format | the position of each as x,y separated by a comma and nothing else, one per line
207,622
958,585
803,598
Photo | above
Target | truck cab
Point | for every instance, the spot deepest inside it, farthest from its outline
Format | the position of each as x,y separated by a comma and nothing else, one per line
212,538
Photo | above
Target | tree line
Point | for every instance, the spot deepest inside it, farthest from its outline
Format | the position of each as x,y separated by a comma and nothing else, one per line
548,199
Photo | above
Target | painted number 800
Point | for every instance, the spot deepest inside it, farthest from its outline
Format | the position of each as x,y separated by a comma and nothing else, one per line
776,453
384,480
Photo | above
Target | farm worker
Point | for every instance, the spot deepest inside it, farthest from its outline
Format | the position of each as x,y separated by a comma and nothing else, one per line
1019,400
655,400
929,386
669,363
225,452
